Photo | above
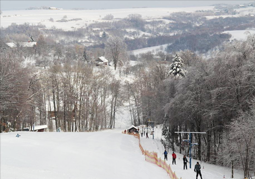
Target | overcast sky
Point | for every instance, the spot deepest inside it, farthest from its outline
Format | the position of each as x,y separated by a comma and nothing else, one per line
20,5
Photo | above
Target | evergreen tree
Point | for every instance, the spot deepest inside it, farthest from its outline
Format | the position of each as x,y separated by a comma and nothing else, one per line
176,68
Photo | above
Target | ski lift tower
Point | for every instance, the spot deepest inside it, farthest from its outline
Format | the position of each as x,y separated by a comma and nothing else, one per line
190,142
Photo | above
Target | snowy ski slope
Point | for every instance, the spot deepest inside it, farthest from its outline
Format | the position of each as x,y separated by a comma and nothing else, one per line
93,155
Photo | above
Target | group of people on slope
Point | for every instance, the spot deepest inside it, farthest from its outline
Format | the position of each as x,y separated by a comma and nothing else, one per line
197,168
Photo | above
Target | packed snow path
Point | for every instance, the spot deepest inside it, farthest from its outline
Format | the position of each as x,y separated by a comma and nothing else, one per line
93,155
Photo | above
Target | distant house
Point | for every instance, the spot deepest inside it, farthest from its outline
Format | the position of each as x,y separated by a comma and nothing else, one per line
132,129
21,44
101,61
53,8
40,128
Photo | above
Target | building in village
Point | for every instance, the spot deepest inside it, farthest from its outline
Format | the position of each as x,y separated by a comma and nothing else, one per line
101,61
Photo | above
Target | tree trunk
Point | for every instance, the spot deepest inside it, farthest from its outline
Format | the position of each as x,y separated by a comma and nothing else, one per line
208,135
54,106
246,162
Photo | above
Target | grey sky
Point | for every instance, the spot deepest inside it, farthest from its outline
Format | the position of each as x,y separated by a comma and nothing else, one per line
20,5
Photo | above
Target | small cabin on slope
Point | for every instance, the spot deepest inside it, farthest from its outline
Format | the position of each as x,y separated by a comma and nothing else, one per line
132,129
39,128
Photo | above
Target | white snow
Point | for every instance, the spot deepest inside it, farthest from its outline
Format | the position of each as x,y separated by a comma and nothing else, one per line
239,34
95,155
107,154
22,44
221,16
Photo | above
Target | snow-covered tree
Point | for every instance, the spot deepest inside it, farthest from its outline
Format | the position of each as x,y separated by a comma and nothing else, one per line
242,143
176,68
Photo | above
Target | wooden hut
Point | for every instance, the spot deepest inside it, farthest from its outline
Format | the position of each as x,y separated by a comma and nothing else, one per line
132,129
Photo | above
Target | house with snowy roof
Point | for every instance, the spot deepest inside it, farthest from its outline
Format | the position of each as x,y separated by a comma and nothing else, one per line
132,129
38,128
101,61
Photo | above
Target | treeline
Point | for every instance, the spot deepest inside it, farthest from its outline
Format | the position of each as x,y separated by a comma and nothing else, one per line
216,96
201,43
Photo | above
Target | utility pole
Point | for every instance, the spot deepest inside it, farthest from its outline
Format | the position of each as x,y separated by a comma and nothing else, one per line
190,142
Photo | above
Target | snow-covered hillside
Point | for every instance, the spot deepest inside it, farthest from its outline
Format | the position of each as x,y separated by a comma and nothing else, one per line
87,16
93,155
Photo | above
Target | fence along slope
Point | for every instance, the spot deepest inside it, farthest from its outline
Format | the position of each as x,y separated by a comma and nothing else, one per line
152,157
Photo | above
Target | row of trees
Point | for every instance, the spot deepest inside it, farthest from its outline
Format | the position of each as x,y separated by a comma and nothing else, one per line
81,98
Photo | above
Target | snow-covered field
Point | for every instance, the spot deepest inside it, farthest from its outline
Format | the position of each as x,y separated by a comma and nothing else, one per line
87,16
239,34
107,154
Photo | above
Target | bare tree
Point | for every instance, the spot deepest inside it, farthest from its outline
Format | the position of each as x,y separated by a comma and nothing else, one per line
14,94
116,51
242,143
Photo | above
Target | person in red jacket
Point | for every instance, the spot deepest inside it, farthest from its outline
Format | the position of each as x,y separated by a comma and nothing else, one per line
174,158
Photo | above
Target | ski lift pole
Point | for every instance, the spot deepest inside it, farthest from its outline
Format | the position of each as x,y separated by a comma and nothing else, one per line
190,143
190,147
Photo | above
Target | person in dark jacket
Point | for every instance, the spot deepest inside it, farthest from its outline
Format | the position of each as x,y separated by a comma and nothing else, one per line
174,158
197,169
185,161
165,155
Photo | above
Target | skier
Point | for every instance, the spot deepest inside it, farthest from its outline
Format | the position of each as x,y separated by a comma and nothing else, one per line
165,155
197,169
185,161
174,158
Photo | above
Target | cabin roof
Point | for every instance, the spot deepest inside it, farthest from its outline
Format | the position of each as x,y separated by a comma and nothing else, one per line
132,127
103,59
